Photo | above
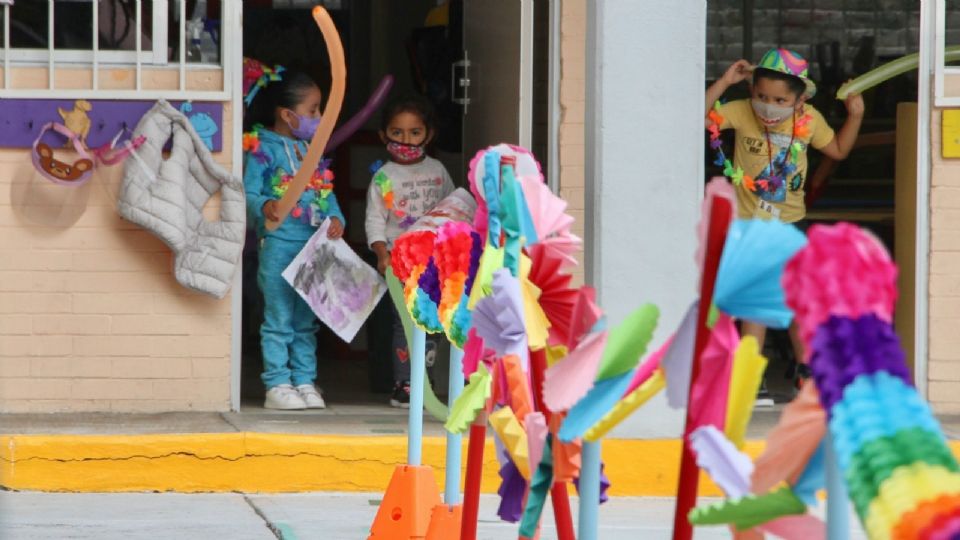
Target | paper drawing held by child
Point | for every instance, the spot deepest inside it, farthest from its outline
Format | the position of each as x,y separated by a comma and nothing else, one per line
340,288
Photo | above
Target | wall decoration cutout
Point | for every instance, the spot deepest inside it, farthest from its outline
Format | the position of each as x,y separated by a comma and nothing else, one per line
21,119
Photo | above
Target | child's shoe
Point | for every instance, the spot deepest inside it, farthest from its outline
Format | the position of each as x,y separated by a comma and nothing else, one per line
283,397
310,396
401,395
764,399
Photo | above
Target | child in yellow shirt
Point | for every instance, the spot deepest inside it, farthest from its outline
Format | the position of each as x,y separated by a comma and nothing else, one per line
773,130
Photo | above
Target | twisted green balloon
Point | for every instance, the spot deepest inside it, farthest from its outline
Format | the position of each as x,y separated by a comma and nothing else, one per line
890,70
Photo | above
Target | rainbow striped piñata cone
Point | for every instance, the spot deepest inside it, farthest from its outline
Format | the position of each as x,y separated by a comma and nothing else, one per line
900,473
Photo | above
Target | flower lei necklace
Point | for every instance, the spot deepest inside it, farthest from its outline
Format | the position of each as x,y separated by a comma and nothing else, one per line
386,191
321,183
772,181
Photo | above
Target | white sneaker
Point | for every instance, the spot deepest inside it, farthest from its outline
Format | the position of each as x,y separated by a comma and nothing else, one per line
284,398
310,396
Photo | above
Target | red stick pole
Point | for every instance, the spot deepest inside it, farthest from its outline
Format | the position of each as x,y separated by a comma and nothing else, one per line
562,516
471,488
720,214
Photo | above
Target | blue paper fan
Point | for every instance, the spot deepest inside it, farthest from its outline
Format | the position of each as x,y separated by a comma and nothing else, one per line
594,406
751,270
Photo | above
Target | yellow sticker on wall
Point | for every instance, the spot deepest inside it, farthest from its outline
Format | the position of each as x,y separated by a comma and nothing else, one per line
950,145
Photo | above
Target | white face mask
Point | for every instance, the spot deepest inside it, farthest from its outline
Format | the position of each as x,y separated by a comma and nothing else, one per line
769,114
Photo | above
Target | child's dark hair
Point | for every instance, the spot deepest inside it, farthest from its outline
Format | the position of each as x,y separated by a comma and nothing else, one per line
413,104
286,93
794,84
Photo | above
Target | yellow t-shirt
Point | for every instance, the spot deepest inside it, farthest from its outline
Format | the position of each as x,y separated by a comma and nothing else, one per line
751,155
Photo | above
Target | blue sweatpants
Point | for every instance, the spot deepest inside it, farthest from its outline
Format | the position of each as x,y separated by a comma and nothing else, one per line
288,335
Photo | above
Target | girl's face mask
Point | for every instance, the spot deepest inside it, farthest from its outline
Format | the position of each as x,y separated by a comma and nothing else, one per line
306,127
769,114
405,153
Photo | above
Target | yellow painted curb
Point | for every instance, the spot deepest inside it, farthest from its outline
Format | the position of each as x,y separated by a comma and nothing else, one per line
270,463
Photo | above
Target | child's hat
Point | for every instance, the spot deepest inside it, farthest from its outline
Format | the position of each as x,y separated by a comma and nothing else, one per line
789,63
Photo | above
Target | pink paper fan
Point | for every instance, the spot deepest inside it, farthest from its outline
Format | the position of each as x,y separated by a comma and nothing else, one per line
572,377
708,396
548,211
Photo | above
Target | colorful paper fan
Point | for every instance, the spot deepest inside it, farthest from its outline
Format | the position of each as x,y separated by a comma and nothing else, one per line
549,212
570,379
844,271
748,281
557,297
498,318
457,251
791,442
708,396
487,218
585,314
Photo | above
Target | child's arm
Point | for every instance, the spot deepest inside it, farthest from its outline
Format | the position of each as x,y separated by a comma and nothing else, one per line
254,171
376,226
337,222
841,145
448,186
735,73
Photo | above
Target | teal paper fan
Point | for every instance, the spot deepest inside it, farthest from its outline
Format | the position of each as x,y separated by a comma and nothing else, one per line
751,270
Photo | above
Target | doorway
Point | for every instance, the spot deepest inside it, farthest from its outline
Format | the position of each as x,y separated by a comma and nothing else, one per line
419,43
875,186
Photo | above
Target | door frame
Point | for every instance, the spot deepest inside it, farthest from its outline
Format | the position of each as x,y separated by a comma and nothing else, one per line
931,37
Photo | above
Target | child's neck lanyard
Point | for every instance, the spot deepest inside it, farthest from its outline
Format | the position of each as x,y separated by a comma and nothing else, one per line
786,155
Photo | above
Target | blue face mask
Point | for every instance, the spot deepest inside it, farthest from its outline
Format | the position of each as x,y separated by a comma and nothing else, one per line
306,127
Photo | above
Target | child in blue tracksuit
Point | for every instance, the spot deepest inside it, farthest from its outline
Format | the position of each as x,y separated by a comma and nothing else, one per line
288,104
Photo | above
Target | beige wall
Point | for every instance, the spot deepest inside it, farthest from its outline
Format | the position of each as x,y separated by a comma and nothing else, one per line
573,28
944,309
91,318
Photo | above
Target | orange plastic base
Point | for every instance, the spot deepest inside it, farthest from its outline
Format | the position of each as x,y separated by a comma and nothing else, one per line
445,522
407,505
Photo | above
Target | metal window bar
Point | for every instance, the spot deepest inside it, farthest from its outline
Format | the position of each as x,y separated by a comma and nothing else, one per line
95,74
96,58
6,46
50,48
183,45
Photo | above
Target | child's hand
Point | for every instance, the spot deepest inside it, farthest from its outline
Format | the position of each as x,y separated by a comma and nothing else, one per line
382,263
336,229
270,210
738,72
854,104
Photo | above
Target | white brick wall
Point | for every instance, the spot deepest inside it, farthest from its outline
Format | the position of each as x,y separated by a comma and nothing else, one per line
91,318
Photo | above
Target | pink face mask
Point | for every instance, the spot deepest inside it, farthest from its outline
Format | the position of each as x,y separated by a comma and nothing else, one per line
405,153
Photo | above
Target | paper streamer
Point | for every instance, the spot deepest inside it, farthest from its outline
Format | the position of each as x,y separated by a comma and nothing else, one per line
748,368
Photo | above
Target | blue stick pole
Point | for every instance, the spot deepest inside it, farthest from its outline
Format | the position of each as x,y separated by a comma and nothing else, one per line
418,367
589,491
451,493
838,512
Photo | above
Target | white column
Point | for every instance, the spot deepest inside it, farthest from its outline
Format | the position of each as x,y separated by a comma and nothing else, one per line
644,167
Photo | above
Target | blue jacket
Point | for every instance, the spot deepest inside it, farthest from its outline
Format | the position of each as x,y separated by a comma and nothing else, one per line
279,152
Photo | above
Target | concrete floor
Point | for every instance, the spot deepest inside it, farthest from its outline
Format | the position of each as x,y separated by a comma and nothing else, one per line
327,516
